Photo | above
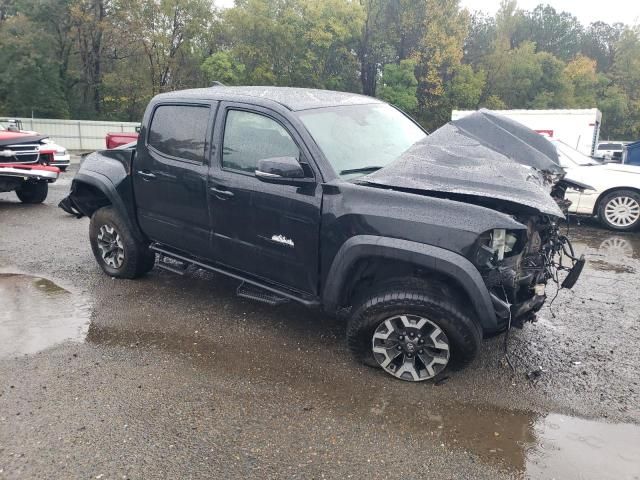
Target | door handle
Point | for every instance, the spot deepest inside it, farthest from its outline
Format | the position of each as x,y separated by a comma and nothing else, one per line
222,194
146,175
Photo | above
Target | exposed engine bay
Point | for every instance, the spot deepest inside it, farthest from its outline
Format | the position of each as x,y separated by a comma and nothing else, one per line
517,266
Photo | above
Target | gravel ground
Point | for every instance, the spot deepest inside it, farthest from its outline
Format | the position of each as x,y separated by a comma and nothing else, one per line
175,377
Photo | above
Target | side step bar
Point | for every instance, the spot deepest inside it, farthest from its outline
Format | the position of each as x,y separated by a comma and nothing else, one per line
260,295
172,265
249,288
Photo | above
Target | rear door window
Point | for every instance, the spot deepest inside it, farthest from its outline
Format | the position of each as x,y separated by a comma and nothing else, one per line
250,137
180,131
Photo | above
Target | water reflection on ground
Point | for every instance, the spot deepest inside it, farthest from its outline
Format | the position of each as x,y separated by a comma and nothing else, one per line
36,313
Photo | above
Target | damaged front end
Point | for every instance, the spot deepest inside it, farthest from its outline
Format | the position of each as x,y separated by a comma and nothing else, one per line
517,265
491,161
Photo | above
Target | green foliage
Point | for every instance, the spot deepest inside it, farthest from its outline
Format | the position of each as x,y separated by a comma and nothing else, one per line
581,72
439,57
28,79
399,85
305,43
107,58
222,67
465,88
599,41
493,102
558,33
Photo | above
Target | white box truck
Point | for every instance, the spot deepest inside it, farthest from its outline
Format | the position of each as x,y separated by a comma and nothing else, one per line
578,128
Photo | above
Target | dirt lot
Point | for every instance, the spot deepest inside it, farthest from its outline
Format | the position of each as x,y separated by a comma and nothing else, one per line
175,377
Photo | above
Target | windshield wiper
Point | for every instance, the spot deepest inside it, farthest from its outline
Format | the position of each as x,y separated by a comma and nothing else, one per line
359,170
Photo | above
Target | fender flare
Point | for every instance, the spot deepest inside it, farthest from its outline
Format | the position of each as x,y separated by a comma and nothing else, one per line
108,189
434,258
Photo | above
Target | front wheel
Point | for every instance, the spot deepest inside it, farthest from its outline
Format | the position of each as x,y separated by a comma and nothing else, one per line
115,248
33,192
412,333
620,210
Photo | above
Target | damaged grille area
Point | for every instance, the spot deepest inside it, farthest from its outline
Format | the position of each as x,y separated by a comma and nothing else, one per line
517,281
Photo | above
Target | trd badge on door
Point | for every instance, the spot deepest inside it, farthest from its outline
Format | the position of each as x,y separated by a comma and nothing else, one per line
283,240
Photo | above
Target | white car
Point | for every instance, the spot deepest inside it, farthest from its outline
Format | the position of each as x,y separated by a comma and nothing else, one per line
615,198
609,150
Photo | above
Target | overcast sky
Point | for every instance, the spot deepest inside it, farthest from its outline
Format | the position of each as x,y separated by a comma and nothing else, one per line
587,11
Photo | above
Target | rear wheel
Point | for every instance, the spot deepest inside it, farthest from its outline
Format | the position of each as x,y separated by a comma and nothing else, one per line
115,248
620,210
413,333
33,192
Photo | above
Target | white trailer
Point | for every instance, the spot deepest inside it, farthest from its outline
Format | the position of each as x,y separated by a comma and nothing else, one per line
578,128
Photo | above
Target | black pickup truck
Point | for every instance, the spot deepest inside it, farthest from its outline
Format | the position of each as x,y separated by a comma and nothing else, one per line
424,243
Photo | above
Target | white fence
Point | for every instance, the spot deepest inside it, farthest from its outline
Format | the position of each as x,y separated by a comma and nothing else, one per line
77,134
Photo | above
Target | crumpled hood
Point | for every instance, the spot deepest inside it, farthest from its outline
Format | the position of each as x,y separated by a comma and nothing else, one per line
511,138
453,161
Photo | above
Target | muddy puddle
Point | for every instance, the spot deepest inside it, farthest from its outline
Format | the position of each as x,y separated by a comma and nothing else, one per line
36,313
527,444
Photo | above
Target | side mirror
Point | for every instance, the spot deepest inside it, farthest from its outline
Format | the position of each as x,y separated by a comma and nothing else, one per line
283,170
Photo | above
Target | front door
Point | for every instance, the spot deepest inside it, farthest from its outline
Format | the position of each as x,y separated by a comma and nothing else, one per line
170,177
267,230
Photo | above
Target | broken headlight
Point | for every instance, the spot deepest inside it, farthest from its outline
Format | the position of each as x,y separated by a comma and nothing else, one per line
497,244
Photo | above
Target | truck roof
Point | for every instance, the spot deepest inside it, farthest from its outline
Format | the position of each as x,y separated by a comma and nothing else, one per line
289,97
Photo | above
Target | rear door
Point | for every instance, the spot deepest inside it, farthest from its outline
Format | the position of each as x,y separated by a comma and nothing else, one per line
266,230
170,176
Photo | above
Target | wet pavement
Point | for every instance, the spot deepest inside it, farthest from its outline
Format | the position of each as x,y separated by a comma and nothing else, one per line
175,377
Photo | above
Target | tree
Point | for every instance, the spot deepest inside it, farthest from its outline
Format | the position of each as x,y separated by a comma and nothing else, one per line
88,18
392,31
464,91
165,31
439,56
598,42
556,33
399,85
222,67
626,76
581,72
303,43
508,21
29,82
480,40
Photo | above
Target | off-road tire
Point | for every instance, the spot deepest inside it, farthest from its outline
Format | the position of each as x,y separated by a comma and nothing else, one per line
604,201
33,192
411,296
138,259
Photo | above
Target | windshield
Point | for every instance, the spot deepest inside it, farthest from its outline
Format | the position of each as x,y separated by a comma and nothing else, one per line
359,139
570,157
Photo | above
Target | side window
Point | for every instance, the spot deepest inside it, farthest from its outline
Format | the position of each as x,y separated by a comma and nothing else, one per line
249,137
180,131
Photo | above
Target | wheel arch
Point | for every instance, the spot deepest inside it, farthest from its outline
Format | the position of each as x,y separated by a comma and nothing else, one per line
596,207
406,257
91,191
